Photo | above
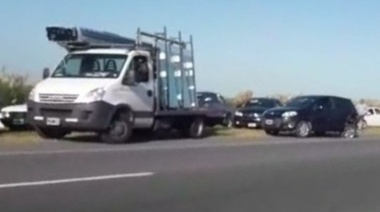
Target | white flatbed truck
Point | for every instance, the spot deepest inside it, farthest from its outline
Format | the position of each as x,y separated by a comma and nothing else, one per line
113,85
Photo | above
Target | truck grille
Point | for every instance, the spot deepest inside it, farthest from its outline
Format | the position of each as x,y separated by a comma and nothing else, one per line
57,98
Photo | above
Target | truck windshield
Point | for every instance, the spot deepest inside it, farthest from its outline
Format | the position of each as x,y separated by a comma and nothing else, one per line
90,66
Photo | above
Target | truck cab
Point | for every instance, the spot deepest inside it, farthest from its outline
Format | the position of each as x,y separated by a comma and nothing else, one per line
111,87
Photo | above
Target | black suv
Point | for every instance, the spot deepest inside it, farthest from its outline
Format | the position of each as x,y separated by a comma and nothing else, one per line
219,113
249,115
316,114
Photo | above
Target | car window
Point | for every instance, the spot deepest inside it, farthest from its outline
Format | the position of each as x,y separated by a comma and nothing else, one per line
377,111
342,105
221,99
207,98
371,112
323,104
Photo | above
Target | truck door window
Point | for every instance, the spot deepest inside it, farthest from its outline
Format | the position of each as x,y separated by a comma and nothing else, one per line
139,65
141,69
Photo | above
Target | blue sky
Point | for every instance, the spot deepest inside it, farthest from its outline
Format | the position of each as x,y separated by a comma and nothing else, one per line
268,46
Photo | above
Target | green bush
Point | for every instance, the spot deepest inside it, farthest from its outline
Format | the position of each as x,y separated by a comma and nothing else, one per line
14,89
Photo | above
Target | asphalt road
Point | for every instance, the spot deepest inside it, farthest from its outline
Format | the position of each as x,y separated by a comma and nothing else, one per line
283,174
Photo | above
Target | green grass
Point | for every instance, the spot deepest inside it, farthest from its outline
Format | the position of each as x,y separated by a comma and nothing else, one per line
372,131
237,133
22,137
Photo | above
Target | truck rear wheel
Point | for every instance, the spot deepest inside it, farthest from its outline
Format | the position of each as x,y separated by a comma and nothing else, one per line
120,129
48,133
195,129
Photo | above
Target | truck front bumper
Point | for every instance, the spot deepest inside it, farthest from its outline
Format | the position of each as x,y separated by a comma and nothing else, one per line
94,116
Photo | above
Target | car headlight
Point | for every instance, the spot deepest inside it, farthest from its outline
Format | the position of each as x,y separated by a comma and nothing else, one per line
32,94
238,113
289,114
256,115
95,95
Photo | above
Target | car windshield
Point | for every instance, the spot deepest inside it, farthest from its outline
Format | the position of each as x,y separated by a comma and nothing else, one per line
301,102
203,98
260,103
90,66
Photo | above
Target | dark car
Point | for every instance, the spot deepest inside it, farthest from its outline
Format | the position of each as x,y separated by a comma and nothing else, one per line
249,115
316,114
219,113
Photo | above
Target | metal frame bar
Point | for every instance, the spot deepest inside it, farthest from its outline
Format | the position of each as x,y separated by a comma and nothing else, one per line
158,37
181,71
192,61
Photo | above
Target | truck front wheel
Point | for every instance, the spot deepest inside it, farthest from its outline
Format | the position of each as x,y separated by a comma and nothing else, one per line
51,133
120,129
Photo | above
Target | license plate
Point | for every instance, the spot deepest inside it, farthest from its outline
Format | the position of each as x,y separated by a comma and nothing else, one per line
53,121
18,121
252,125
269,121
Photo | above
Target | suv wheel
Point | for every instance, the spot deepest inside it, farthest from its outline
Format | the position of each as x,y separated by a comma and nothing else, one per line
228,122
349,131
120,129
51,133
303,129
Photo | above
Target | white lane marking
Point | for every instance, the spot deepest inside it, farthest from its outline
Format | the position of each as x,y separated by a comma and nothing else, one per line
73,180
190,145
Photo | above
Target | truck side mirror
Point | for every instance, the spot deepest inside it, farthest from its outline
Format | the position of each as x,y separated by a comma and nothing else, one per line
129,78
46,73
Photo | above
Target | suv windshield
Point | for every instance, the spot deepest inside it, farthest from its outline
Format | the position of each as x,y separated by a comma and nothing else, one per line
204,97
90,66
301,102
260,103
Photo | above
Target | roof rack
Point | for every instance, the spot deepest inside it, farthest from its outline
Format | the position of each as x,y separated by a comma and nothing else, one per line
83,38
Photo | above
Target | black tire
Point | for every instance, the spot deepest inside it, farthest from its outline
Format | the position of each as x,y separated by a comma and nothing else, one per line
349,132
48,133
195,129
272,132
303,129
120,130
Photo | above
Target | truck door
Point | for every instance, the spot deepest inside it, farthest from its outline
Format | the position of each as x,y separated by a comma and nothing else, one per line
140,95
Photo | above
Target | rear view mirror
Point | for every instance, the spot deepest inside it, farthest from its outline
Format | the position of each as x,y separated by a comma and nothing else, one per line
46,73
129,78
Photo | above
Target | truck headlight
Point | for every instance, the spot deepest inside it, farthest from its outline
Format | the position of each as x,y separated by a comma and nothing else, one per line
238,113
289,114
4,115
95,95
